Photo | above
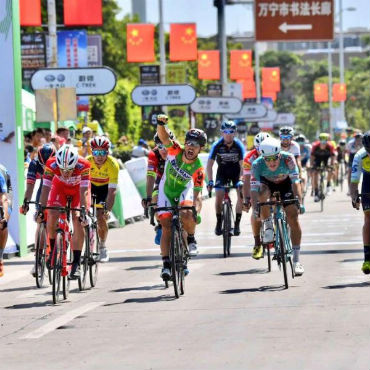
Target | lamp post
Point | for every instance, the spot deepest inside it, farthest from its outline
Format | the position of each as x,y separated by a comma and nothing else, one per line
162,51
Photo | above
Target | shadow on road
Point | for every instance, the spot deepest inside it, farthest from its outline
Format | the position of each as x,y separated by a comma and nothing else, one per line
364,284
147,287
16,263
19,289
161,298
267,288
247,272
29,305
352,260
139,268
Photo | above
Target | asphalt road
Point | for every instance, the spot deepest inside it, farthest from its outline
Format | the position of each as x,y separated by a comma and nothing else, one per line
234,315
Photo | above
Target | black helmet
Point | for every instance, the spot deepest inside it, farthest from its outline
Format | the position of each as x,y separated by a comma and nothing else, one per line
158,141
286,130
228,125
366,141
342,142
300,138
197,135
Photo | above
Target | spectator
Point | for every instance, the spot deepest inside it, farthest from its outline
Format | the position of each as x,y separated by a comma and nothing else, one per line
47,135
85,148
37,137
141,150
62,135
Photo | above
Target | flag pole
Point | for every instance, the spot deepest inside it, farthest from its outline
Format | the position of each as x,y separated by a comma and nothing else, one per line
162,51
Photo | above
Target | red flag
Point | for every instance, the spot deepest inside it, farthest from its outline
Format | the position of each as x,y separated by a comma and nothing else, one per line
269,94
321,94
30,12
140,43
241,65
339,92
183,42
83,13
271,79
209,65
248,89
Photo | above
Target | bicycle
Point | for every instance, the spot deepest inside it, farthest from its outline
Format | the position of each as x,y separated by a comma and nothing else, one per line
341,174
179,254
322,171
282,242
90,255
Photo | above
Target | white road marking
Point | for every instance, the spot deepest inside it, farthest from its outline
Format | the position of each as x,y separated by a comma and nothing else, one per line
62,320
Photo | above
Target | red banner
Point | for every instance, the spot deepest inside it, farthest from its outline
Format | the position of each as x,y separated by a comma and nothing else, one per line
321,94
209,65
183,42
248,89
269,94
241,65
30,12
83,13
271,79
339,92
140,43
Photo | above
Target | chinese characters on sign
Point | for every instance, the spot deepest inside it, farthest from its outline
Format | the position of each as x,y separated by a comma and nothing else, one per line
294,9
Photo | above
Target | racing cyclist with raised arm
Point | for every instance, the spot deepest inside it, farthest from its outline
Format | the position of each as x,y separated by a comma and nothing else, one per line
273,171
66,175
247,170
181,184
229,153
104,179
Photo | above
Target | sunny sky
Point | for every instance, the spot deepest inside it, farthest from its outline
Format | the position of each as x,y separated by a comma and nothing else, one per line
238,17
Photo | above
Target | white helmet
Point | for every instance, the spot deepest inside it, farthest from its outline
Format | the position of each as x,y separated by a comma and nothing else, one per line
67,157
269,147
259,138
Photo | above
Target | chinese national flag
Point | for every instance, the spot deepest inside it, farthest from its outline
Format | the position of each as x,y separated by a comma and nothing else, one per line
30,12
241,65
271,79
269,94
209,65
321,94
339,92
183,42
140,43
83,13
248,88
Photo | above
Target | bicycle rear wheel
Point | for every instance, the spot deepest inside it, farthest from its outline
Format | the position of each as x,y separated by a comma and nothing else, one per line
85,261
94,255
282,252
57,260
226,228
40,258
322,195
174,257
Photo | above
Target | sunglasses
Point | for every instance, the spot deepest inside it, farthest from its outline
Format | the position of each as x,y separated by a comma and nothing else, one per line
192,143
323,141
271,158
66,171
228,131
97,153
161,147
285,137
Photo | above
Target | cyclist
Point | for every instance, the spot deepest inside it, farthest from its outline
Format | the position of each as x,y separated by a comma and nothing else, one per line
5,211
104,179
361,164
276,170
156,162
353,146
286,134
181,183
341,156
247,167
229,153
305,150
66,175
322,152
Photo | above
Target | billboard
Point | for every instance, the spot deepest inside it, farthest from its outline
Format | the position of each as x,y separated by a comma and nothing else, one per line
33,52
72,49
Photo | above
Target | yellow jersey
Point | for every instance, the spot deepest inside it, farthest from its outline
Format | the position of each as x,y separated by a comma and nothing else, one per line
106,174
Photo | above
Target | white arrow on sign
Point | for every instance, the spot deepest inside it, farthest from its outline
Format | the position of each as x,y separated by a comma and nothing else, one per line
216,104
285,27
144,95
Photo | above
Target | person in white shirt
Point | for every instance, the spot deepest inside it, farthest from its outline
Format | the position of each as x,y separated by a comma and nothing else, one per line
141,150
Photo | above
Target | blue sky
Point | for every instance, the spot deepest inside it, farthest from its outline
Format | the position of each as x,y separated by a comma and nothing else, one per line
238,17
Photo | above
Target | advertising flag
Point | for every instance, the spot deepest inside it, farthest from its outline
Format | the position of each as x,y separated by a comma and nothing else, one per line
183,42
140,43
241,65
339,92
30,12
248,89
83,13
209,65
321,94
271,79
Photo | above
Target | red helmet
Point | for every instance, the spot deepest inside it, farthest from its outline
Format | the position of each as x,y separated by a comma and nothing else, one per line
100,142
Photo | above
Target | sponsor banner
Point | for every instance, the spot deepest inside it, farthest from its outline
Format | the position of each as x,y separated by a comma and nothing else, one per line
94,51
149,75
137,169
72,49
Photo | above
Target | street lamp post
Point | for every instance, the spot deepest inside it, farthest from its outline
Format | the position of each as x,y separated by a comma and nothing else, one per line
162,51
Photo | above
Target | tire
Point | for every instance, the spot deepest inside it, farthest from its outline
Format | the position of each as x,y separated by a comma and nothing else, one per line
268,257
322,196
40,258
182,260
175,247
282,252
58,265
226,229
66,282
341,176
85,261
94,255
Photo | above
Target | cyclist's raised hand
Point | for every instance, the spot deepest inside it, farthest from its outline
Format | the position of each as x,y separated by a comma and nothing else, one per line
162,119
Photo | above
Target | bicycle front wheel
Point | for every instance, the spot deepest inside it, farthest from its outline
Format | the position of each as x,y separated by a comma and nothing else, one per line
68,257
175,257
57,261
85,261
40,258
94,255
226,212
283,251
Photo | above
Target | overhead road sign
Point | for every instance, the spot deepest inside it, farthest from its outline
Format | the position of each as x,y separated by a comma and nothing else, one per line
271,116
251,112
222,105
86,81
285,119
296,20
144,95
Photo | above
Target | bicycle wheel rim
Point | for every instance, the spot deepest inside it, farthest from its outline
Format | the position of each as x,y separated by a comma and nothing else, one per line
68,256
226,230
40,259
283,253
57,270
173,258
94,255
229,227
85,261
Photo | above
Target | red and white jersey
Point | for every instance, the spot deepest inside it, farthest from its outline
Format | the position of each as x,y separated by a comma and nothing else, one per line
293,149
248,161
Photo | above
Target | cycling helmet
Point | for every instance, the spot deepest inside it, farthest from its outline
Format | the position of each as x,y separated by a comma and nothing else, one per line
324,136
45,152
67,157
269,147
357,135
286,130
300,139
342,142
101,142
228,125
259,138
366,141
158,141
197,135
